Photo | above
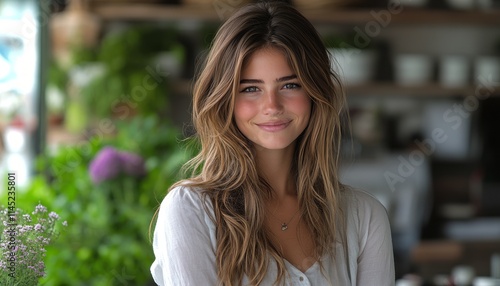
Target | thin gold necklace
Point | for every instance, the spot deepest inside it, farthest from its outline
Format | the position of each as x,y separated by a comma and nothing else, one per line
284,225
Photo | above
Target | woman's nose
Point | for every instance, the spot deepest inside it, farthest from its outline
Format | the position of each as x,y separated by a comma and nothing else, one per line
272,103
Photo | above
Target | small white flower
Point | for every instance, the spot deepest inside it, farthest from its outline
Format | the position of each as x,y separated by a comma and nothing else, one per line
53,215
27,217
40,209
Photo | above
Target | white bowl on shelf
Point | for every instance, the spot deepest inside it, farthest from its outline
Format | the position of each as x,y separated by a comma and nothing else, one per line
412,69
355,66
486,281
454,71
487,70
463,274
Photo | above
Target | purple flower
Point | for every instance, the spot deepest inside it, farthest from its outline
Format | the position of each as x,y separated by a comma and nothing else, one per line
38,227
40,209
26,228
132,164
53,215
106,165
109,163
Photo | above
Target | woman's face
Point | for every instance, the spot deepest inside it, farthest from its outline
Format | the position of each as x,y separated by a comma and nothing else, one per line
271,107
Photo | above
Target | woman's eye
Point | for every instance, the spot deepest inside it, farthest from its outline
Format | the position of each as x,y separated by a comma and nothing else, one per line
250,89
291,86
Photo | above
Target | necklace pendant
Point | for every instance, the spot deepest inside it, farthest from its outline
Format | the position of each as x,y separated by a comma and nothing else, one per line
284,226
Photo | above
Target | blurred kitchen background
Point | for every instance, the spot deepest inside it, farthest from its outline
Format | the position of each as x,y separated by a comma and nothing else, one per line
422,79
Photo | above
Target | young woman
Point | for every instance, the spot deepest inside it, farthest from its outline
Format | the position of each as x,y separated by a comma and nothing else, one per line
265,205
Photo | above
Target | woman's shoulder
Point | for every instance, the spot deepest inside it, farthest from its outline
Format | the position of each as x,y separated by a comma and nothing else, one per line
185,199
360,199
363,206
183,194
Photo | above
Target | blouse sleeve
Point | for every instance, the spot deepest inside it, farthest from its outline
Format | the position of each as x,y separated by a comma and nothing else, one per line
375,260
182,244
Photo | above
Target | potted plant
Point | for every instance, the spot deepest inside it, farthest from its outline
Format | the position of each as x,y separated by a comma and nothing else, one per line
353,57
135,74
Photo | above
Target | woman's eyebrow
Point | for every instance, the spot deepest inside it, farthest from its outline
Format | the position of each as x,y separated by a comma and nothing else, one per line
281,79
251,81
285,78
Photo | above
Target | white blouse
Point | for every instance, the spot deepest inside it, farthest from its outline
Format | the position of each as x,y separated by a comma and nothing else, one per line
184,245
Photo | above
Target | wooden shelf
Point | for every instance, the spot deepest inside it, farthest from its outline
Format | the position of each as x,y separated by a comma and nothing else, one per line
406,17
155,12
152,12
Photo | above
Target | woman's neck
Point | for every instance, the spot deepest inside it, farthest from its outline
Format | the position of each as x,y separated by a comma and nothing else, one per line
275,166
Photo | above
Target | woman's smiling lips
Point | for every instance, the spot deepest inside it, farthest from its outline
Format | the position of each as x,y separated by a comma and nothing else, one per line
273,126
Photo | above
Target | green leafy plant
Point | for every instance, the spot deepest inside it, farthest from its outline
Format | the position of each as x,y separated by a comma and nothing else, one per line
108,241
132,78
58,76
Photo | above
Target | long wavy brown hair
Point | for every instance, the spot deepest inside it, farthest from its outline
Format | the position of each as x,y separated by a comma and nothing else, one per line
225,168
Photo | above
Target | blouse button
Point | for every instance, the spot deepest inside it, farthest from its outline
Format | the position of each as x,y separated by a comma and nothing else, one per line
301,278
